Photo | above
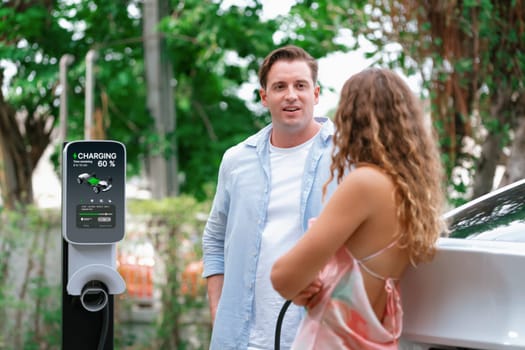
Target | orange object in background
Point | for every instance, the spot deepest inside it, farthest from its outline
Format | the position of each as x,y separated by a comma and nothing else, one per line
137,269
192,282
138,275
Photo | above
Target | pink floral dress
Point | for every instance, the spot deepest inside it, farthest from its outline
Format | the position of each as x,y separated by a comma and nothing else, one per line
342,317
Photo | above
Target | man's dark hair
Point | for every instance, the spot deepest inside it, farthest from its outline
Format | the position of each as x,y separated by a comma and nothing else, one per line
286,53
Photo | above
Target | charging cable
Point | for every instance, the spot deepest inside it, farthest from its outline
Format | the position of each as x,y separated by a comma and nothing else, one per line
104,328
279,324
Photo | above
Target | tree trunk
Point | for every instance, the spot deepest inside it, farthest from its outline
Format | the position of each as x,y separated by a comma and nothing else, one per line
15,164
161,165
492,148
22,143
486,169
508,108
515,167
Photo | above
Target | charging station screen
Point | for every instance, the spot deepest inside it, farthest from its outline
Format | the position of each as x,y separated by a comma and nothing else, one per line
95,216
93,191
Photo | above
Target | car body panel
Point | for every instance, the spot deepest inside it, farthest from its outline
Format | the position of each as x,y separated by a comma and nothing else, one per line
472,295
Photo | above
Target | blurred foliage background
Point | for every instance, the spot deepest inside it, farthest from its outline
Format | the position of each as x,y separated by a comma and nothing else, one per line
468,55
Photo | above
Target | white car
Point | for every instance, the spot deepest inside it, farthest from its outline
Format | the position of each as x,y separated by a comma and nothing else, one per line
472,295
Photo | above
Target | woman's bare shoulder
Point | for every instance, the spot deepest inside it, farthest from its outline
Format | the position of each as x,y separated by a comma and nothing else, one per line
364,192
368,176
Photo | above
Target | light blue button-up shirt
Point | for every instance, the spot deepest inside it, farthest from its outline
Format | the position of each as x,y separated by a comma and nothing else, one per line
232,236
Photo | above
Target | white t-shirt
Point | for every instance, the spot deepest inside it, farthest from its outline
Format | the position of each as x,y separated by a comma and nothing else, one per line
282,230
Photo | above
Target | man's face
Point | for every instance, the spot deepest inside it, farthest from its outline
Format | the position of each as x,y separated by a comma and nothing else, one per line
290,96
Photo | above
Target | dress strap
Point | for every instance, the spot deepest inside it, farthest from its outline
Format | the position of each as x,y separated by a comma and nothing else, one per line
371,256
375,274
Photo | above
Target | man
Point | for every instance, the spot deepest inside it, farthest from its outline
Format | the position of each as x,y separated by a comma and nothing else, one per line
268,187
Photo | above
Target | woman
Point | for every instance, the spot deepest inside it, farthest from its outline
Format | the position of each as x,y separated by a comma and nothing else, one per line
384,215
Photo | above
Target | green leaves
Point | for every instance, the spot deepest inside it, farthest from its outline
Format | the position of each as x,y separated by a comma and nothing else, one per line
213,49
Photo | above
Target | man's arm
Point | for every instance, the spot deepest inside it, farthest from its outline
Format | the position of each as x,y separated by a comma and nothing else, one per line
215,283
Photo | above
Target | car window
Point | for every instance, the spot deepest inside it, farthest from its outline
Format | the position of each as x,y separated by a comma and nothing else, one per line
498,217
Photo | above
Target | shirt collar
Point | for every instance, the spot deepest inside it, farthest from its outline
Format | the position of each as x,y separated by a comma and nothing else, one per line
326,132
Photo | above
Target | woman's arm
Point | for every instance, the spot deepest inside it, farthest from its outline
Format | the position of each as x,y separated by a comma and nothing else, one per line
350,206
304,297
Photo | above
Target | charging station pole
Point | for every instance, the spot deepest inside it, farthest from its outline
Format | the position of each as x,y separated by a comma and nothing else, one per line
93,211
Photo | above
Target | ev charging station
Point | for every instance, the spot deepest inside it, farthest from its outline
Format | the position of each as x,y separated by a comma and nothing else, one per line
93,220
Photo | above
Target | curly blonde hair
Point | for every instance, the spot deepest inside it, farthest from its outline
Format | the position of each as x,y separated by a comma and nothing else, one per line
380,121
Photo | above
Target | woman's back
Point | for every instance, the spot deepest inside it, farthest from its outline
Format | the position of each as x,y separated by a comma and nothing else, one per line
377,232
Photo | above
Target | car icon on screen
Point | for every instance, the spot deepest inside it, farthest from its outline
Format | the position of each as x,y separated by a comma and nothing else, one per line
96,184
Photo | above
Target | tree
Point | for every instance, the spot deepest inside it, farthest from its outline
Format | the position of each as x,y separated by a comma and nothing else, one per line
31,41
210,67
469,56
35,34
